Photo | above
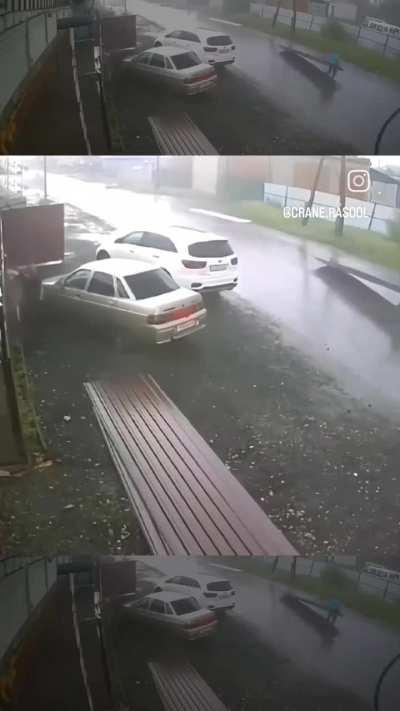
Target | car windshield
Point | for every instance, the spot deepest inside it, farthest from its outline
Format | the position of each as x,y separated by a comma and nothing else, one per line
210,249
185,60
219,41
185,605
152,283
219,585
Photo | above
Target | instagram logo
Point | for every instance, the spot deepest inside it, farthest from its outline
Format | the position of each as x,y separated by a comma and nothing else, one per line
358,181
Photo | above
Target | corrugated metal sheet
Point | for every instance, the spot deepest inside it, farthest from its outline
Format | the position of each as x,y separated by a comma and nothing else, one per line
186,500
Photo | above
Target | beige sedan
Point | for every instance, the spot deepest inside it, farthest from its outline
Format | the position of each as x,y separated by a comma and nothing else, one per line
178,69
117,292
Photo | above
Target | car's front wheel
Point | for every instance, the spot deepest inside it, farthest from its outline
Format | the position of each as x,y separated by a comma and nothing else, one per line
157,589
158,44
103,255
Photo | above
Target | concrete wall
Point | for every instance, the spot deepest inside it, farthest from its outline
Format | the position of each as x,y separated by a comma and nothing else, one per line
21,46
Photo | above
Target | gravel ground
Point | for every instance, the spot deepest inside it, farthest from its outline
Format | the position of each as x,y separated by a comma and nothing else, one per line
314,458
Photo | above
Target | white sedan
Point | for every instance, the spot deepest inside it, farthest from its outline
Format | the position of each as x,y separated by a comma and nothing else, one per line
178,69
215,593
212,47
197,260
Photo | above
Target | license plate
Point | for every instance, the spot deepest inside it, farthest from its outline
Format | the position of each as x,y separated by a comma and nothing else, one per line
217,267
224,51
225,594
188,324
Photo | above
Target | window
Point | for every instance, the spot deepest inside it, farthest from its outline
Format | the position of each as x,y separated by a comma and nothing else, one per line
131,238
185,605
219,41
210,249
157,60
189,37
175,35
78,279
143,605
151,239
190,582
158,606
185,60
121,291
151,283
176,581
102,284
143,58
220,586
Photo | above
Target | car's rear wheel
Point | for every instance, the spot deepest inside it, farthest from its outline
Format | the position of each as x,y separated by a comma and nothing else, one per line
103,255
157,589
158,44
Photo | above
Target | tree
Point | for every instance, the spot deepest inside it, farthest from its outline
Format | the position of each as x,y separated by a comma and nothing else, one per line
276,15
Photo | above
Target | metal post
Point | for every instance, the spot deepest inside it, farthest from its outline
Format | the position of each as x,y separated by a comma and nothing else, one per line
339,224
385,46
372,216
310,202
386,590
286,195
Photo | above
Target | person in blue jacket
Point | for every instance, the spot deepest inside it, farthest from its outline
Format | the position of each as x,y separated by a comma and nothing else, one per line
334,610
334,64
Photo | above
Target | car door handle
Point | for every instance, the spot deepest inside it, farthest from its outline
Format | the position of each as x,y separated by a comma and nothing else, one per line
132,251
157,256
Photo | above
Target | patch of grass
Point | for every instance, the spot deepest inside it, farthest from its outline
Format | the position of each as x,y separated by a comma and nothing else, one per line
332,583
362,243
347,49
34,442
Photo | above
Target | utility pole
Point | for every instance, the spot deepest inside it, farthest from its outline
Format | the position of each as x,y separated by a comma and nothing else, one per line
339,224
310,202
294,16
276,15
45,178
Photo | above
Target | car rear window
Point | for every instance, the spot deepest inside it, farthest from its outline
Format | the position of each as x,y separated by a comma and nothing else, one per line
185,605
219,586
219,41
185,60
210,249
148,284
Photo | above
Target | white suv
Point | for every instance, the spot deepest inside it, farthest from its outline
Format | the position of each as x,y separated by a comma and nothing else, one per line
212,47
214,593
194,259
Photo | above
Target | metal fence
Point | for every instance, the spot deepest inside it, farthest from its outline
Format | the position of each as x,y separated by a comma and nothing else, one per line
381,42
383,584
376,217
23,584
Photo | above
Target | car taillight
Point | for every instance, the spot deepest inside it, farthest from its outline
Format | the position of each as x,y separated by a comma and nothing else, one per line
200,622
189,264
174,315
210,49
208,594
234,260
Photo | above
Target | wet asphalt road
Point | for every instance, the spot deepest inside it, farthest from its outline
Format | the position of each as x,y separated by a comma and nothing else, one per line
264,654
267,102
308,431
